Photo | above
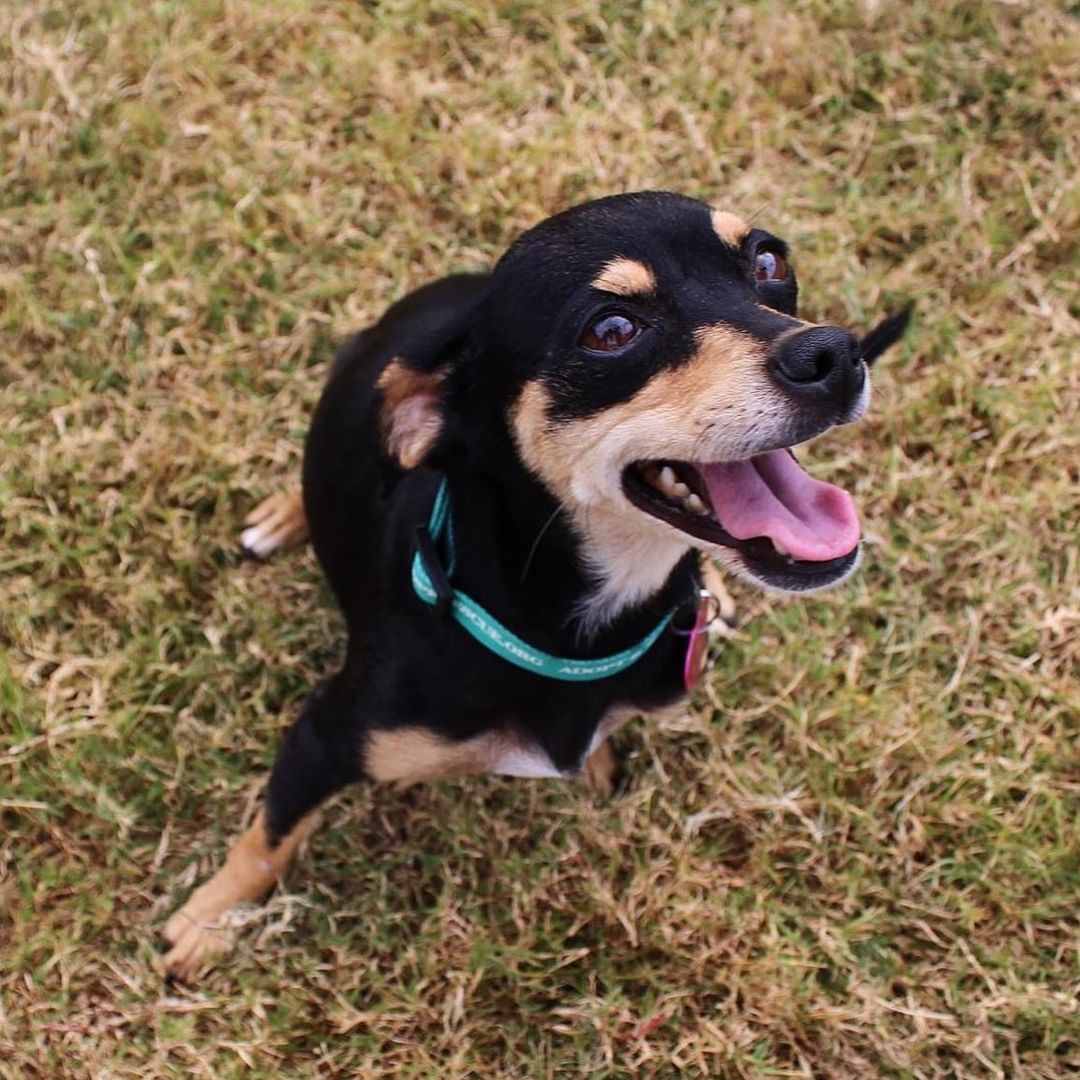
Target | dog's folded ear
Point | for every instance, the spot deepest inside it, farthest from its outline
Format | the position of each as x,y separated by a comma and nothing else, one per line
431,326
410,415
886,334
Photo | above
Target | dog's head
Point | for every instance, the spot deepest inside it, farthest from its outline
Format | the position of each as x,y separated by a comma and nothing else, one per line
645,355
657,375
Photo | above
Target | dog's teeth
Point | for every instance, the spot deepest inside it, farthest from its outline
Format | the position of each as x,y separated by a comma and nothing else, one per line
694,503
679,490
667,480
780,549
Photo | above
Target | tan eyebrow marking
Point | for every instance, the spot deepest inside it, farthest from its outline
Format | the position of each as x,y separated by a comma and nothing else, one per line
625,277
730,228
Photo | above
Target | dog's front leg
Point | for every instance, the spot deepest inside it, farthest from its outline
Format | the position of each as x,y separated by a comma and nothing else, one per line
318,758
601,771
199,931
276,524
714,582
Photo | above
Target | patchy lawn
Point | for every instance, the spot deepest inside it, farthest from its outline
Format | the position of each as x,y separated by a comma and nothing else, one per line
857,856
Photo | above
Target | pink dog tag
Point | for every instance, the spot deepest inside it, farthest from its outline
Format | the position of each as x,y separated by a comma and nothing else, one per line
697,646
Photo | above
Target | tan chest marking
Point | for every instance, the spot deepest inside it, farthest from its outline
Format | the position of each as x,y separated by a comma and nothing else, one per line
409,755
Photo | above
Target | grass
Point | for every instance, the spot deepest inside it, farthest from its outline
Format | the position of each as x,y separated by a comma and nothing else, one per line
859,853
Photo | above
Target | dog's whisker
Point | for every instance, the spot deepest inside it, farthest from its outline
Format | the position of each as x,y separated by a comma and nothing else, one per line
699,441
536,543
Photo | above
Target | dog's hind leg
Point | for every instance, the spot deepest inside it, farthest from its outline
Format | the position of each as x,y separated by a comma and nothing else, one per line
277,523
317,759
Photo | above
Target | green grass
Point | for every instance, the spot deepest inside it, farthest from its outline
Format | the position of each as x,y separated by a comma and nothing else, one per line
857,856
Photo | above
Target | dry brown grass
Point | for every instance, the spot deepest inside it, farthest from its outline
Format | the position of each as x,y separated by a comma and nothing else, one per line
858,854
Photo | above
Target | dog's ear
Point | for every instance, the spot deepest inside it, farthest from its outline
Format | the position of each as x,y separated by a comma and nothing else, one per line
410,413
429,329
886,334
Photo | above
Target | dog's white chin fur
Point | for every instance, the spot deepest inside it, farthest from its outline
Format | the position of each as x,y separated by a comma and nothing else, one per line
629,566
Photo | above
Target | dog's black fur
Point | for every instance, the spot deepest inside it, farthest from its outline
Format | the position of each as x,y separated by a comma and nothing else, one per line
458,357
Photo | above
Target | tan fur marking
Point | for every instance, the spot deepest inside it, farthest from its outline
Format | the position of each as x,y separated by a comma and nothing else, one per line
599,770
410,414
726,381
718,406
625,277
408,755
730,228
197,931
277,523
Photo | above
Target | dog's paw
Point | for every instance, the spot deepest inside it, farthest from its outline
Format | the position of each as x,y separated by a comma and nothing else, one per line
194,945
277,523
714,582
602,772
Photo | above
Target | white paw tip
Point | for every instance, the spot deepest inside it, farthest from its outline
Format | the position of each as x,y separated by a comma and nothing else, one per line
256,541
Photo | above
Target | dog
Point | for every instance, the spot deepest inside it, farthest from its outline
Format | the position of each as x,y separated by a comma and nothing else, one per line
510,480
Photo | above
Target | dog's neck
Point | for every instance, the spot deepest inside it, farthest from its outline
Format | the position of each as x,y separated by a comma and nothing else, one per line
628,567
519,554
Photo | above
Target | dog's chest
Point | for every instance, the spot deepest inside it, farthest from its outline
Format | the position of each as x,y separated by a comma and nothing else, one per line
530,762
531,759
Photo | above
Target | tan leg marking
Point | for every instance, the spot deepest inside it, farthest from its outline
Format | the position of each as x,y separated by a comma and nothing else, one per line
600,768
409,755
198,932
714,582
277,523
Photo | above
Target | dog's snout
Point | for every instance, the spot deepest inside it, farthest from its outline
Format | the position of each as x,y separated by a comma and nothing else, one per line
822,361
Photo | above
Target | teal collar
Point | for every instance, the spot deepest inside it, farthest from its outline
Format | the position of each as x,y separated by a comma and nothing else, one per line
432,585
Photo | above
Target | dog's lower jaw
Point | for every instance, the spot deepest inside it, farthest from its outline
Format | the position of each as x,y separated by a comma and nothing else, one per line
735,566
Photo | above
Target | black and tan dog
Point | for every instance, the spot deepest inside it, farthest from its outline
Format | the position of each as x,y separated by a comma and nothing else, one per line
509,481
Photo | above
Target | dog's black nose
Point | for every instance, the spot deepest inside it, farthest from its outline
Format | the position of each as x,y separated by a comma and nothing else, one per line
820,362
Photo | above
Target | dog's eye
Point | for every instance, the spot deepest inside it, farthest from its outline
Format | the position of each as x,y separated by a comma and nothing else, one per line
770,266
610,333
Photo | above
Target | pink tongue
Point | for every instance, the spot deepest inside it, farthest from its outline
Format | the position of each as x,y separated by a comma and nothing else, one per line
770,495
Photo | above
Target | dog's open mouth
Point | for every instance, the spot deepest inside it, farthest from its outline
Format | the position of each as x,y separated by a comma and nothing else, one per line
790,530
